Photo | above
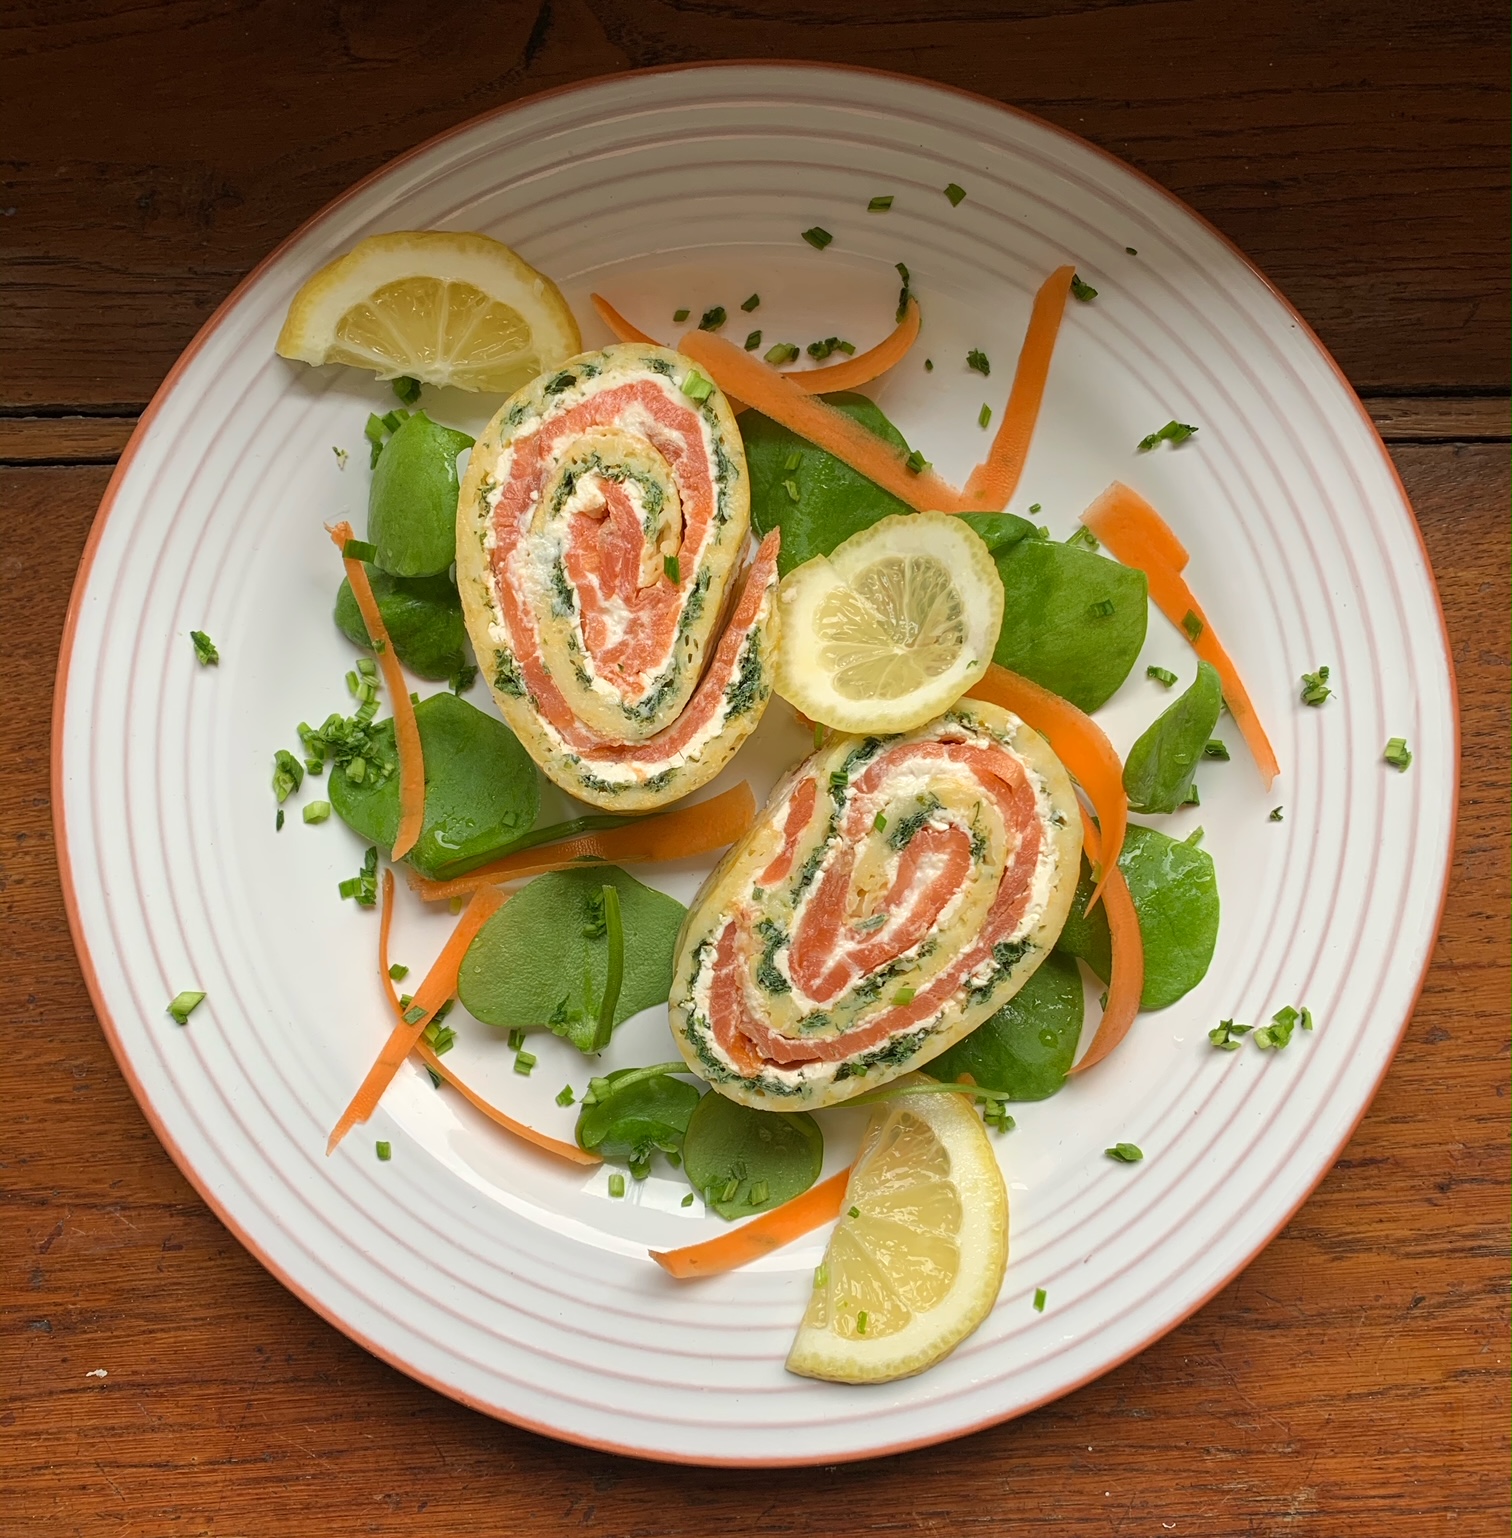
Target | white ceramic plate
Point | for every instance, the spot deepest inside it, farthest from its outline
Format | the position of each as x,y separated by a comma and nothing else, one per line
518,1285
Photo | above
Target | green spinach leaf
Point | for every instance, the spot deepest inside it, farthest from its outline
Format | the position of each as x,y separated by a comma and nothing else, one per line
745,1161
1158,771
481,788
412,501
1026,1048
1174,887
423,616
633,1113
543,959
1073,621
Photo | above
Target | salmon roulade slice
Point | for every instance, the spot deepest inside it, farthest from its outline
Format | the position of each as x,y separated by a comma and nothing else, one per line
894,893
601,531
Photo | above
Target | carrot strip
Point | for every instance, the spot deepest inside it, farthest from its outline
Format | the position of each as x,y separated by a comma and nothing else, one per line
849,375
432,1059
406,728
784,400
687,830
994,481
1140,537
439,985
1080,744
740,1246
1126,984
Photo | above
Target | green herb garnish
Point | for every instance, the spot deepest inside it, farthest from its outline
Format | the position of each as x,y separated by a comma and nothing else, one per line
917,463
1278,1033
398,972
679,316
1172,432
564,1095
341,457
1101,609
616,1185
1125,1153
1396,754
407,388
791,487
903,996
182,1005
696,387
524,1062
880,205
977,359
955,193
903,298
1039,1300
673,568
782,352
1192,625
713,318
879,822
1315,687
750,304
384,1150
204,648
288,774
363,887
818,238
1228,1035
1082,538
1160,675
984,416
1216,747
1082,291
1131,250
1275,815
752,341
316,811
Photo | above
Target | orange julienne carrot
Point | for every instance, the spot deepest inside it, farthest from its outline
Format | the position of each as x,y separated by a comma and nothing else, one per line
1080,744
994,481
1126,984
740,1246
688,830
1135,533
432,1058
784,400
406,728
848,375
439,985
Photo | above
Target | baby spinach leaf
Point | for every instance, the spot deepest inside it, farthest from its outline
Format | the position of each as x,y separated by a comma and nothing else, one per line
1175,891
1026,1048
745,1161
1073,620
632,1114
543,959
412,502
481,789
1158,771
423,616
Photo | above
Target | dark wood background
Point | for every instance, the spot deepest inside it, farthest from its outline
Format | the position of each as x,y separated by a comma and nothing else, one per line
1354,1379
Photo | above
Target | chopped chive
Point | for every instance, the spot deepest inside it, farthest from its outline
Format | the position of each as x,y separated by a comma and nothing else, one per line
564,1095
1216,747
679,316
1172,432
880,205
696,387
407,388
792,461
1192,797
687,1201
182,1005
759,1192
782,352
818,734
1278,1033
385,1151
673,568
1396,754
1039,1300
977,359
1082,538
1160,675
917,462
524,1062
516,1038
341,457
752,341
359,550
204,649
861,1318
1195,837
904,295
1083,291
713,318
1101,609
614,931
956,194
879,822
367,667
288,775
818,238
353,682
436,1080
1227,1035
1131,250
1034,507
1315,687
398,972
1306,1018
1125,1153
929,365
616,1186
731,1187
415,1014
1192,625
278,821
750,304
791,487
984,416
1275,815
316,811
903,996
855,1212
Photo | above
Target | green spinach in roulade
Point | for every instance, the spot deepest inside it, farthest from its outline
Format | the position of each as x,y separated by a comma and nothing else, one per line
600,531
894,893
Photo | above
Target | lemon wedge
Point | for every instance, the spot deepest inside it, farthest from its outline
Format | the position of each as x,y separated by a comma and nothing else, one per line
915,1262
892,627
446,307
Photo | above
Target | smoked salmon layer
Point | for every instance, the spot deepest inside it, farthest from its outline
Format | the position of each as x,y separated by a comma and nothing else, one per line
600,533
894,893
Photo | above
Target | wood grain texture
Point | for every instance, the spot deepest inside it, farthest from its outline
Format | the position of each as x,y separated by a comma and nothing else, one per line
1352,1381
1357,150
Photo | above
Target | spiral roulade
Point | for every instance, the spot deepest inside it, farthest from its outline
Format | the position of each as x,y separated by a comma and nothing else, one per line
599,533
893,894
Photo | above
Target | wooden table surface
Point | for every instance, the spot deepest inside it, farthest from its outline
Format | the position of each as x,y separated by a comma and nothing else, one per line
1354,1379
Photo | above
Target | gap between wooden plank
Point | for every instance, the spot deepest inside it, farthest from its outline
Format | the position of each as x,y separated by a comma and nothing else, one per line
88,440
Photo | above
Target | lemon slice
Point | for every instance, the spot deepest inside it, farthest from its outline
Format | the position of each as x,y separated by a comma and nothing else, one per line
916,1260
892,627
445,307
